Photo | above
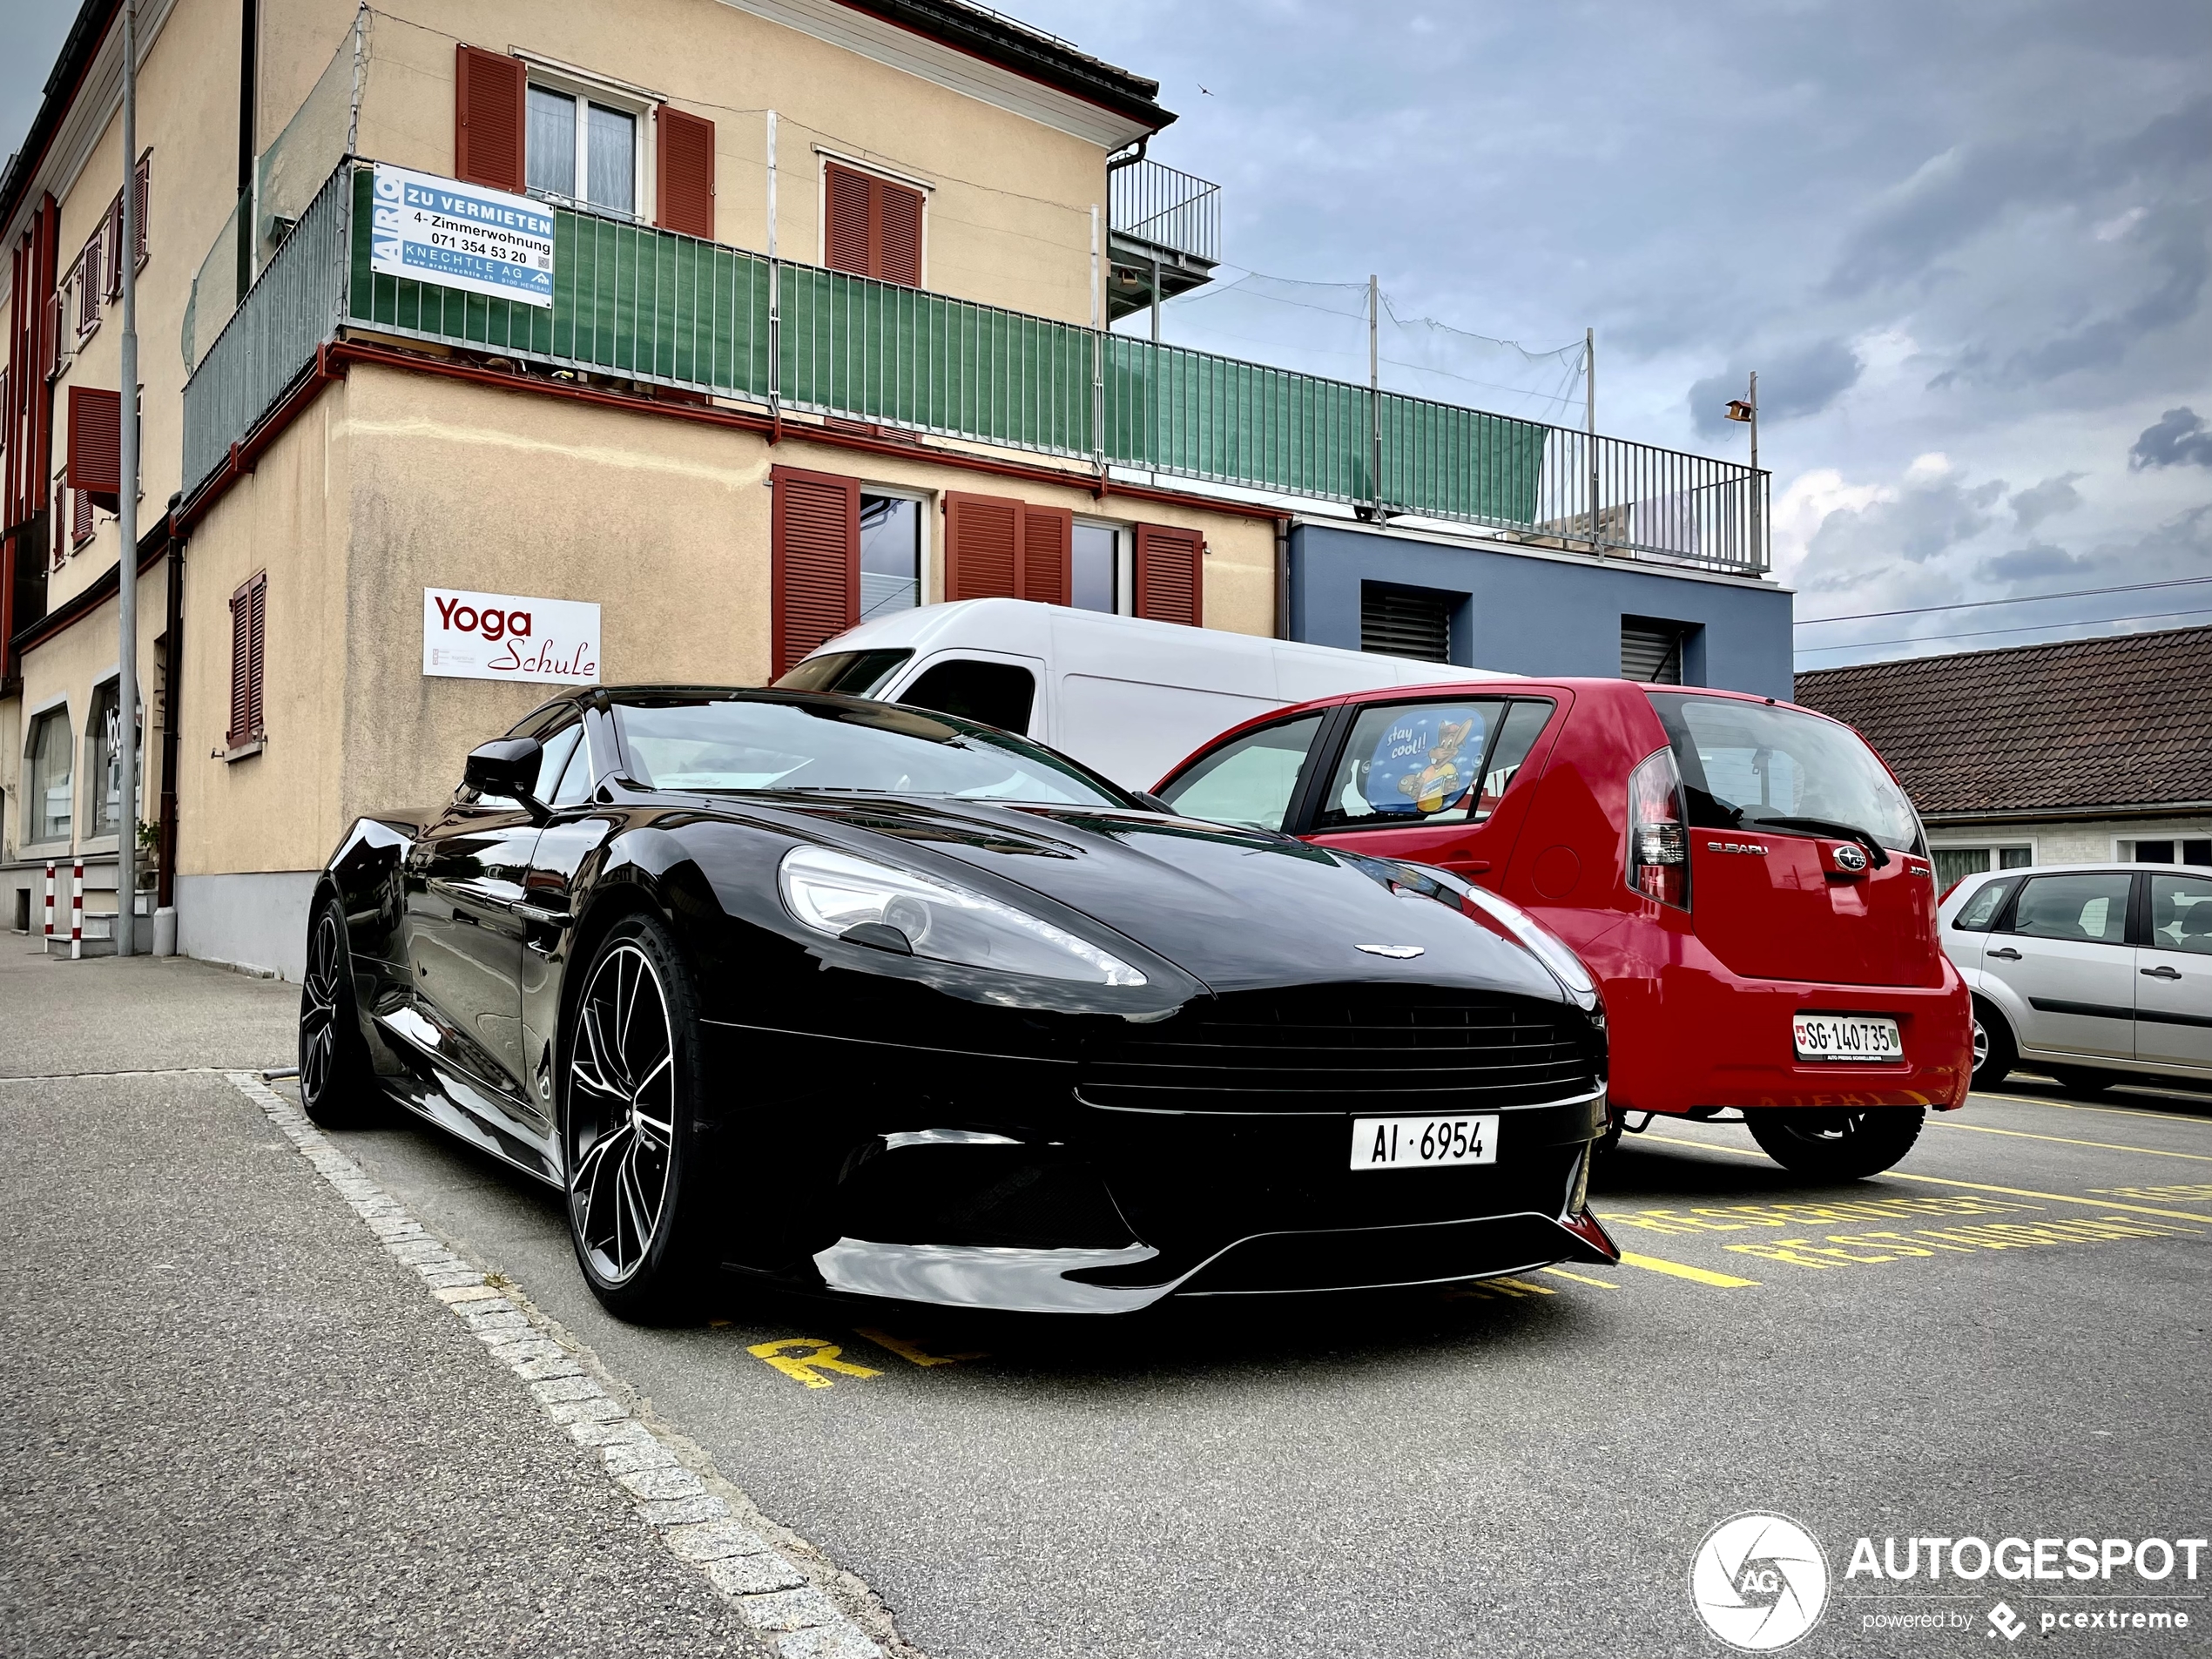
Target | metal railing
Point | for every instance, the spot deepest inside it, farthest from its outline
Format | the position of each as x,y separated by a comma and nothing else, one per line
1158,204
641,305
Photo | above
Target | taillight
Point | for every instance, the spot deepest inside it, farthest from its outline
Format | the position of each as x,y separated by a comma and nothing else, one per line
1659,831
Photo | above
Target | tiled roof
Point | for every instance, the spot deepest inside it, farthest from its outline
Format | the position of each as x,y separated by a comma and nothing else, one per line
2123,721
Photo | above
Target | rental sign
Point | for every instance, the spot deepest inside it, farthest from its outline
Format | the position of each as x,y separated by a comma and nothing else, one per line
501,637
461,236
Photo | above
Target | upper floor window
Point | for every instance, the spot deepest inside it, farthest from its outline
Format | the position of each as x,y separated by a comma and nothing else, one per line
871,226
581,149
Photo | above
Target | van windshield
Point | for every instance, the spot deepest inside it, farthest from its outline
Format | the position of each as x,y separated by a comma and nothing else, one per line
856,673
1745,764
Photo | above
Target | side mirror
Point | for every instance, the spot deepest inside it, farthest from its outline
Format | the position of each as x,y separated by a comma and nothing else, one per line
507,766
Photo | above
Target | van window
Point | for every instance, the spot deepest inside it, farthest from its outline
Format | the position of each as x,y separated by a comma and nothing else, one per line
1249,781
1754,766
1423,763
997,694
856,673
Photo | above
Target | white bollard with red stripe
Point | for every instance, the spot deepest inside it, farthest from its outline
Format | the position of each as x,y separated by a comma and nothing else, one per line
49,900
76,911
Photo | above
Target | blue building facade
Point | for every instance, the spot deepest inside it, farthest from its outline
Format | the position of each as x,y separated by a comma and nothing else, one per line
1529,611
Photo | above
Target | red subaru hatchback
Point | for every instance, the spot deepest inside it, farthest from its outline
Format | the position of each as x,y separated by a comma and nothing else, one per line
1745,877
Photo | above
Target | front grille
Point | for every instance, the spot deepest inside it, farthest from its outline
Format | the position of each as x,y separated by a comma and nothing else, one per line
1349,1048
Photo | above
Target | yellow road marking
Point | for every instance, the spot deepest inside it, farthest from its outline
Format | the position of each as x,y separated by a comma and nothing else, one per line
1703,1146
1523,1287
913,1351
803,1359
2063,1140
2083,1106
2055,1198
1678,1270
1603,1284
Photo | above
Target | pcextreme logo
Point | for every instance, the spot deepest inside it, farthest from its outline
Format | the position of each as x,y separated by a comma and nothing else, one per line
1759,1581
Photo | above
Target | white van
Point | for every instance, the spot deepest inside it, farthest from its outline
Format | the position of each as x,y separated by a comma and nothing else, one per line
1127,697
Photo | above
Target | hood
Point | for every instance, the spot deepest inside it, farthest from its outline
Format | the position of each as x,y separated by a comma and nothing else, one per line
1239,909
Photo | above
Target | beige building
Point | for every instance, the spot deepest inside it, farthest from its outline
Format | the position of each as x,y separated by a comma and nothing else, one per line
740,319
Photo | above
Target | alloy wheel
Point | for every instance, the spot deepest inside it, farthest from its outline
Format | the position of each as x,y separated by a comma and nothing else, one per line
1981,1044
621,1112
318,1010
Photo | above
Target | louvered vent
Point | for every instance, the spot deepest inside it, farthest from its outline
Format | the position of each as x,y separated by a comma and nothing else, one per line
1651,650
1405,622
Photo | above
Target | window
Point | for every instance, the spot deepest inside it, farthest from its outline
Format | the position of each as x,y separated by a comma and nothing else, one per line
249,635
1406,622
1980,911
576,778
1651,650
52,776
556,746
996,547
871,226
2085,907
1753,765
890,555
106,735
2181,913
997,694
80,518
856,673
86,277
581,149
2173,852
1250,781
1954,864
1098,569
1407,764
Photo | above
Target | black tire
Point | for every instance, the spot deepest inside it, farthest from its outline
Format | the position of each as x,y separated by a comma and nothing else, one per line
337,1080
1836,1144
2081,1082
630,1083
1995,1053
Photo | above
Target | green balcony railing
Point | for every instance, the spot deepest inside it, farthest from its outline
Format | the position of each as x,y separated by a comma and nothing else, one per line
647,304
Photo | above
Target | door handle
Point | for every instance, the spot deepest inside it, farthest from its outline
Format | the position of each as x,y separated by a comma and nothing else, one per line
2159,972
1459,864
2003,954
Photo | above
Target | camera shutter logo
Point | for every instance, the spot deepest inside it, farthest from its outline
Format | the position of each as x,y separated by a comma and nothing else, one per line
1759,1581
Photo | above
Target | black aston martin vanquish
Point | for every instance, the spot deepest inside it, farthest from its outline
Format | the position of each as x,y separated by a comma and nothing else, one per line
848,995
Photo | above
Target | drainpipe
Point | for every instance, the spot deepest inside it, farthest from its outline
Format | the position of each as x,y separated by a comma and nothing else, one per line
1282,578
172,623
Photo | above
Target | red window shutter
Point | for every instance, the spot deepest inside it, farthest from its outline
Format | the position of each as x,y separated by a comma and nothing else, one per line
1048,538
88,279
241,658
685,167
80,517
259,634
95,443
112,234
845,242
142,184
983,539
1171,573
489,90
814,588
898,234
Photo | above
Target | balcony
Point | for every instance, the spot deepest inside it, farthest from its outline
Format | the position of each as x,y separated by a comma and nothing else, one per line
648,307
1163,235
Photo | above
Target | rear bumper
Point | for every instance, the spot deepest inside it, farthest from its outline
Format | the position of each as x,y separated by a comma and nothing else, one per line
1694,1036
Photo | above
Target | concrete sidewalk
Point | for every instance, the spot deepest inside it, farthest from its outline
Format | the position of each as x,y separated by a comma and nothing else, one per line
233,1422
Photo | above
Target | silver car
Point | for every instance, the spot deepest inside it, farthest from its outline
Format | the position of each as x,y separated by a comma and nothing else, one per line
2092,973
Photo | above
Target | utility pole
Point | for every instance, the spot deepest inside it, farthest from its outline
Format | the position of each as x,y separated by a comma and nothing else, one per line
1590,428
1374,395
1745,410
126,500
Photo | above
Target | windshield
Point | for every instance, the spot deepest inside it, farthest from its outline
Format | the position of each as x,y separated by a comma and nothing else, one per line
857,673
1753,763
774,743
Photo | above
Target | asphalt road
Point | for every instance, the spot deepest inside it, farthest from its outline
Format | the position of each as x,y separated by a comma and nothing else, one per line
1524,1470
223,1427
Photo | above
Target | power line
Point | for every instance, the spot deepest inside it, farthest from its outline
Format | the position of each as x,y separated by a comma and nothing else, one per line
1972,605
2026,628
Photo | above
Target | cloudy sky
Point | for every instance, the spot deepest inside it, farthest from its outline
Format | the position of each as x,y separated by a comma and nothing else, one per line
1965,245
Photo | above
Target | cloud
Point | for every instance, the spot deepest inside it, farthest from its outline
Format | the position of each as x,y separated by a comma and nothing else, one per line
1892,543
2179,439
2046,500
2178,251
1803,381
2036,559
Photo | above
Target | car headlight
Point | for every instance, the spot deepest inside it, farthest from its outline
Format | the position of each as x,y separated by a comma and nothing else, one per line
1547,946
835,892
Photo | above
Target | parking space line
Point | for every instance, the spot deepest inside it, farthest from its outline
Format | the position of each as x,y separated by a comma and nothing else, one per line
2055,1197
912,1352
2083,1106
1580,1278
1703,1146
1679,1270
2065,1140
